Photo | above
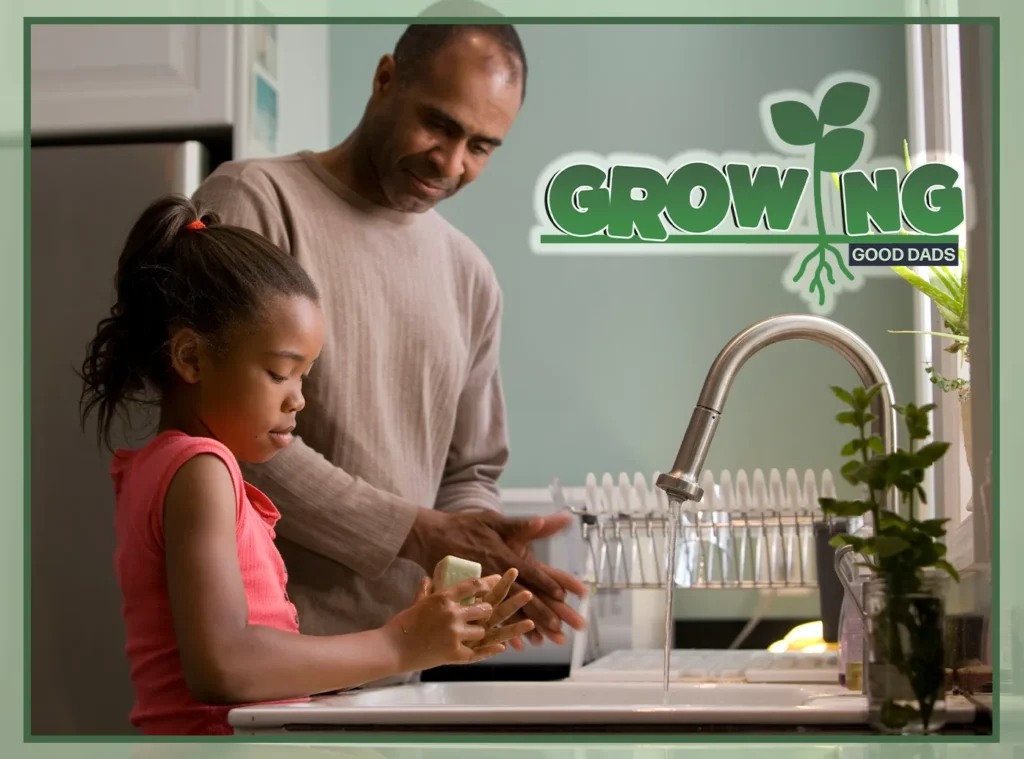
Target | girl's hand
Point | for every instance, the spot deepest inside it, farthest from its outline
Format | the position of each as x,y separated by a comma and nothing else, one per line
437,629
496,632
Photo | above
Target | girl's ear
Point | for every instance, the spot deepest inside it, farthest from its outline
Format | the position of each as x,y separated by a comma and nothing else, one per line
184,348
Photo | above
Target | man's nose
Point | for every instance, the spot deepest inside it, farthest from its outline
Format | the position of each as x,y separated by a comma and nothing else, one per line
448,159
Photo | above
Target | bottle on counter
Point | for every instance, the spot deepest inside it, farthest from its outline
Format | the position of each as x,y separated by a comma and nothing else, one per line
851,640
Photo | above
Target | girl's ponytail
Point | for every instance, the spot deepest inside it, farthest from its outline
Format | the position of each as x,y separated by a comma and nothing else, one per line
120,357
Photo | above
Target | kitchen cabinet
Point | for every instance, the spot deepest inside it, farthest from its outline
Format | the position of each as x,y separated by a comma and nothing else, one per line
261,89
125,78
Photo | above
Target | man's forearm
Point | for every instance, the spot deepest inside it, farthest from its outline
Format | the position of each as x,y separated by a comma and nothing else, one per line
332,513
463,496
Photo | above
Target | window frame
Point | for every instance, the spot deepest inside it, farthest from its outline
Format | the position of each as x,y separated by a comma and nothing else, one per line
950,119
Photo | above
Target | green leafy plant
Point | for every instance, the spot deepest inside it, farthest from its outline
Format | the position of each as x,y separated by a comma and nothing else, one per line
901,547
947,289
958,385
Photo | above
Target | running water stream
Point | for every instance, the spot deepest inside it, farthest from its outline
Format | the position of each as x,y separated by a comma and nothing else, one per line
674,507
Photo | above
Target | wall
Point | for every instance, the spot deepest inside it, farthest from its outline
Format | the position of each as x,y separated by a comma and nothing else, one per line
304,74
603,358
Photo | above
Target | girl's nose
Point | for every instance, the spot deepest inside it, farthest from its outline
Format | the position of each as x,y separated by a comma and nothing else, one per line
295,402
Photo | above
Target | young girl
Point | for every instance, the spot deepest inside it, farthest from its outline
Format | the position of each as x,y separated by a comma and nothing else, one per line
223,326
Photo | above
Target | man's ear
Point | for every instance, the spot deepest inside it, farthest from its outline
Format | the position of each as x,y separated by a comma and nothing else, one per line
384,76
184,349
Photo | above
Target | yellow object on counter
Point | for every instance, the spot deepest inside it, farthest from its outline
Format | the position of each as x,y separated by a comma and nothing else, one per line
806,638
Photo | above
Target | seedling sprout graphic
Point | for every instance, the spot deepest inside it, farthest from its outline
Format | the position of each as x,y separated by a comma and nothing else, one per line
835,151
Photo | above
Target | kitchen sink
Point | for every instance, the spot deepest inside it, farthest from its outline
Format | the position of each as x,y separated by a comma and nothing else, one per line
564,694
565,703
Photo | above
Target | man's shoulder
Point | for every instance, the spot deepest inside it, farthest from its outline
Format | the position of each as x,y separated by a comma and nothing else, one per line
258,171
268,187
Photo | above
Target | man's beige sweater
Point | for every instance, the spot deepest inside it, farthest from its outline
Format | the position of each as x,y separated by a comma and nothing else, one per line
404,408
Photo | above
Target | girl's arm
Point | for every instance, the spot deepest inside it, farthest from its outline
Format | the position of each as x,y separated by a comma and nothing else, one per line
228,661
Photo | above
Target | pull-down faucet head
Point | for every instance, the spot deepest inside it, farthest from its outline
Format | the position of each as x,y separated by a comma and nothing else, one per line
683,482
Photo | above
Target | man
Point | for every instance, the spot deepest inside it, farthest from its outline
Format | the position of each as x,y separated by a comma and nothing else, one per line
403,436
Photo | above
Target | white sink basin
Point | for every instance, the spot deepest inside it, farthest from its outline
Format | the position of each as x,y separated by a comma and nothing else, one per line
568,694
567,703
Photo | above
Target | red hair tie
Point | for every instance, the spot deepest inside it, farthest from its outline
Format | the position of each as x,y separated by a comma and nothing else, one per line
197,224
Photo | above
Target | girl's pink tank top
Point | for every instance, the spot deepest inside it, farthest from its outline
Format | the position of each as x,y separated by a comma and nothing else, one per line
164,705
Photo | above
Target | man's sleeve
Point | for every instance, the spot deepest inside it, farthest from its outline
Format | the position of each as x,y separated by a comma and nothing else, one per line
479,449
323,508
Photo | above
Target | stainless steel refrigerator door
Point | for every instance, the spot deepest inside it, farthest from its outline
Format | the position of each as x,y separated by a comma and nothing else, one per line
84,200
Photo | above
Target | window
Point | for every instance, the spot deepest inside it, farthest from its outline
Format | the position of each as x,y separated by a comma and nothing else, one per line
938,131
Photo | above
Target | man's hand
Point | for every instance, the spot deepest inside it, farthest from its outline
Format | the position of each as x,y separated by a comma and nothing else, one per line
499,543
547,607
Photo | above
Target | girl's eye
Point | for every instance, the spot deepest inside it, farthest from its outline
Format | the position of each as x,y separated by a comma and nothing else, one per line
276,377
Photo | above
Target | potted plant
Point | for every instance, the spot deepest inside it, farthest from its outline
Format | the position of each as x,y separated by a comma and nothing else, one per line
904,596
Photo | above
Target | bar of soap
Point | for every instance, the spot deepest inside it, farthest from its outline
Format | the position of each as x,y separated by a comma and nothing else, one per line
452,570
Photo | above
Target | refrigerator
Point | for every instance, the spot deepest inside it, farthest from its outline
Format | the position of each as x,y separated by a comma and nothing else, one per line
84,200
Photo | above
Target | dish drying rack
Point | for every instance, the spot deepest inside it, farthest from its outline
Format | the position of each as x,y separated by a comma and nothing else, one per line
745,532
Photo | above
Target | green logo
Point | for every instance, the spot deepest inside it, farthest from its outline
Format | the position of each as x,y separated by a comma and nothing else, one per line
765,204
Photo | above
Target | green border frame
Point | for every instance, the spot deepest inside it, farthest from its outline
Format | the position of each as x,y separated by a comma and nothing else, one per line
571,739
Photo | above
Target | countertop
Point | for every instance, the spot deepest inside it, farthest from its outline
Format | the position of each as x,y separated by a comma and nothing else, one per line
539,710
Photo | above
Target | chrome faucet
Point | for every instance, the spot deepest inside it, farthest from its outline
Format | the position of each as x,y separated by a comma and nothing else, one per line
683,482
